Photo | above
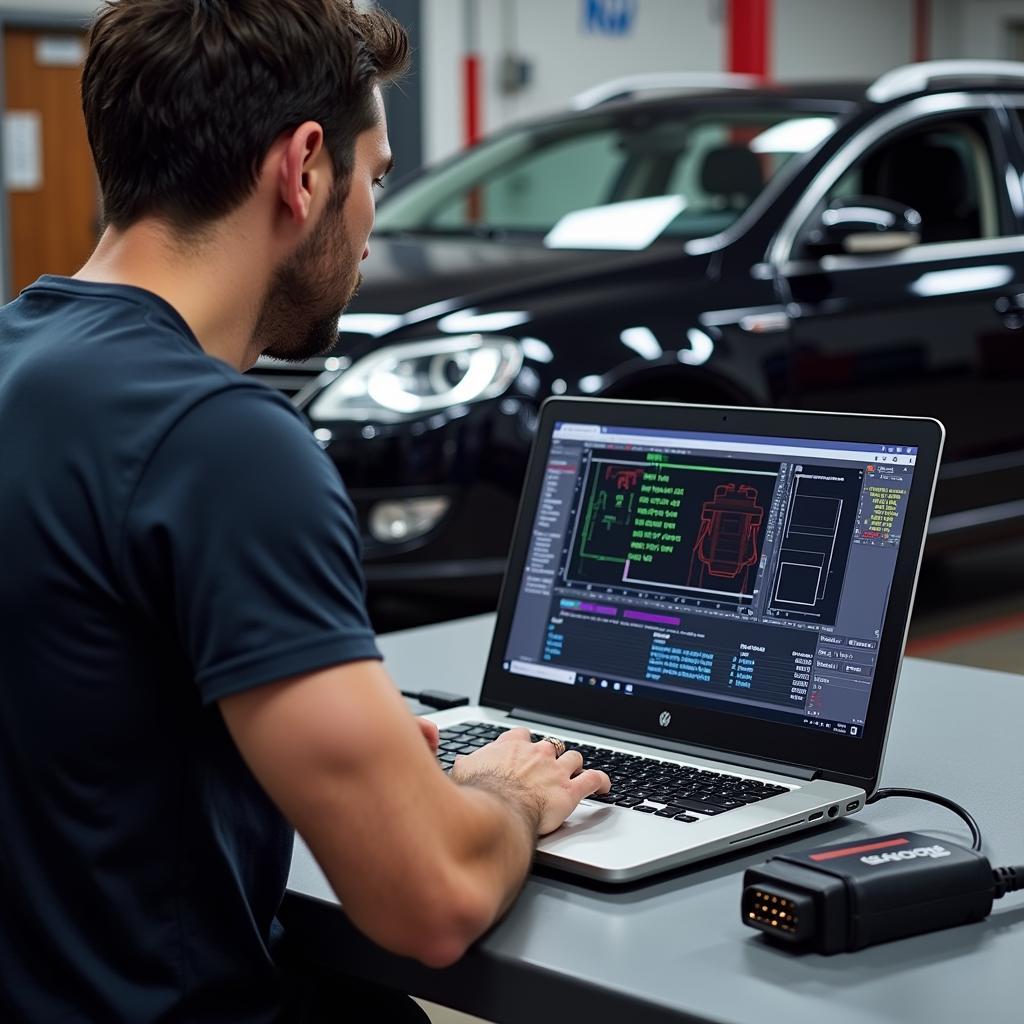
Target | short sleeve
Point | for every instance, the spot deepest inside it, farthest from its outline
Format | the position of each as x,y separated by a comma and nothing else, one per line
241,538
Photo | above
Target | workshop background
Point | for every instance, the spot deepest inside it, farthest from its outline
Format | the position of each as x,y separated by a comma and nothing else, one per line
482,65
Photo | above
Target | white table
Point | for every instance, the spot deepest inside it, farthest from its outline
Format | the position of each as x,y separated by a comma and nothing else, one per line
673,948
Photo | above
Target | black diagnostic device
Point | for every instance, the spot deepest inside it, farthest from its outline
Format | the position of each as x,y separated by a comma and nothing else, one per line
838,898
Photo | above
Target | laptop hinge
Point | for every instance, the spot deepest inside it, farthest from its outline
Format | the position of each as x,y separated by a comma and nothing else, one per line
728,757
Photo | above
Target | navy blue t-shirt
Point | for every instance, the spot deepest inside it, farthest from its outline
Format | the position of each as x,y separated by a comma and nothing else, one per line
170,534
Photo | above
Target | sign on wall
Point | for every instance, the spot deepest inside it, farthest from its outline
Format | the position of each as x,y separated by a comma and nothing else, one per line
609,17
60,51
23,150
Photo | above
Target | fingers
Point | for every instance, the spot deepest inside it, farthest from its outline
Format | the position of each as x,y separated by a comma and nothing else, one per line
431,733
571,759
588,783
518,734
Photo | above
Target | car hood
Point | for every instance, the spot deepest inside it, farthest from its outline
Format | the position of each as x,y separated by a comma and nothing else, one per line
407,273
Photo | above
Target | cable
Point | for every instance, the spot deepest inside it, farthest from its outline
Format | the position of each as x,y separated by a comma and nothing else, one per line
942,801
441,700
1005,879
1008,879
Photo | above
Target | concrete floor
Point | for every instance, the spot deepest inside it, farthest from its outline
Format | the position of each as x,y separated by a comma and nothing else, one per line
970,609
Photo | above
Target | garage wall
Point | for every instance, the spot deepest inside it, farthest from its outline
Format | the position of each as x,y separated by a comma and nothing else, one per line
810,39
947,28
564,56
443,47
835,39
567,56
84,7
984,27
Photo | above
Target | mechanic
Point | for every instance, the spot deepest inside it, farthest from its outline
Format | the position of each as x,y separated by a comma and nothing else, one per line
187,668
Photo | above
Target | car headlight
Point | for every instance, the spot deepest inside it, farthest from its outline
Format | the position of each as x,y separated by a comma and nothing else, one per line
399,382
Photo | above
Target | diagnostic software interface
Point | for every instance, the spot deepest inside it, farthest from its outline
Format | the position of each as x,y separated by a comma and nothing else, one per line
742,574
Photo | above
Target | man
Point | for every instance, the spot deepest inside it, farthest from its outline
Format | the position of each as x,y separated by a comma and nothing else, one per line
186,665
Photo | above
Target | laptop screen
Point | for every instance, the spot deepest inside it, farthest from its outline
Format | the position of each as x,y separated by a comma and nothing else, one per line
735,573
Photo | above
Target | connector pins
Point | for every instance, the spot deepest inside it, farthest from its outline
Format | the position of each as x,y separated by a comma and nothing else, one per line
773,911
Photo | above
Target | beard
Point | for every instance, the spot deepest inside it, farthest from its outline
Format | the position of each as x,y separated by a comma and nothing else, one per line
309,292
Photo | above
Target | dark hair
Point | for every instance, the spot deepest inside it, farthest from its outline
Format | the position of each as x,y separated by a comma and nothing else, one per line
184,98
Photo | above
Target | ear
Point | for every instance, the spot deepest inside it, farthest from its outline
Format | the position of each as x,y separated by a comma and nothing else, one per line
302,172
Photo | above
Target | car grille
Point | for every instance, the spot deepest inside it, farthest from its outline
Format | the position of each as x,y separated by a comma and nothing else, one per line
291,379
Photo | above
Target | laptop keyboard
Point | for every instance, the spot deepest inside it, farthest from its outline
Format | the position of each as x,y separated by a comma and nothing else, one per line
644,784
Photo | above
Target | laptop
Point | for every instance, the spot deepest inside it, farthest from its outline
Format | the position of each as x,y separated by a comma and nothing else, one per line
712,605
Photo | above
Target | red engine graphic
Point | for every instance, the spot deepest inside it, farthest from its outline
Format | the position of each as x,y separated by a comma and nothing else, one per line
625,479
727,544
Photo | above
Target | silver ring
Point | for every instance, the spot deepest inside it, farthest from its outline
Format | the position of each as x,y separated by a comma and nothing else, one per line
557,744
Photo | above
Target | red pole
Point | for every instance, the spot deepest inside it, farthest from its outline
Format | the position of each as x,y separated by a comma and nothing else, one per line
471,94
922,29
748,43
471,88
471,135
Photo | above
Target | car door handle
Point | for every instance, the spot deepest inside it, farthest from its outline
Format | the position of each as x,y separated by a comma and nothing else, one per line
768,323
1011,309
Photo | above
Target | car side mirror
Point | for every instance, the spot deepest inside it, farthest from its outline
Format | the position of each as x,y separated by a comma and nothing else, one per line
859,225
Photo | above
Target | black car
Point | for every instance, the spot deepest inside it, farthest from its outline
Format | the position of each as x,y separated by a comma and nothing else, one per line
826,247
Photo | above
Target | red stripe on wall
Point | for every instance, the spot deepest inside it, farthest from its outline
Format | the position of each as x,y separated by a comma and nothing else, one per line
922,28
965,634
748,36
471,128
471,90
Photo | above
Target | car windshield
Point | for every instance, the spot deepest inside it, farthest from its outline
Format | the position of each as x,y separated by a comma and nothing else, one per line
606,182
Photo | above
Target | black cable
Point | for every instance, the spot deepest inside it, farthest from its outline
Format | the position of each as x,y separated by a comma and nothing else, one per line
1008,879
942,801
440,700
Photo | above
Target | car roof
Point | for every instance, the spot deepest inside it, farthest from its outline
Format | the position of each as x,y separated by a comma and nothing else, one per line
837,98
681,91
844,94
841,98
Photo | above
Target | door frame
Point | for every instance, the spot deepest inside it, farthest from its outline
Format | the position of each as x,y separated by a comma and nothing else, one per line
39,21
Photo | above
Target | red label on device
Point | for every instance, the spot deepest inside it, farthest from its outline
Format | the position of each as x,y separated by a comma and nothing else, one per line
848,851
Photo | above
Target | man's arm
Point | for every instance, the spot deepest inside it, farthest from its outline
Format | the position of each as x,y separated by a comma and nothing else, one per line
422,864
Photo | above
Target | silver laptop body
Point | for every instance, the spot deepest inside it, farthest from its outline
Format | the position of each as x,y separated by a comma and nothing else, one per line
716,589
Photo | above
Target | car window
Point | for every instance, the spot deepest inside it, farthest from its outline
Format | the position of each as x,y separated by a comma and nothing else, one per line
536,187
943,169
1015,107
609,181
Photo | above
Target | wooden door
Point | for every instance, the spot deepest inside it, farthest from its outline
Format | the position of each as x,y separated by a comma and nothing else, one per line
53,200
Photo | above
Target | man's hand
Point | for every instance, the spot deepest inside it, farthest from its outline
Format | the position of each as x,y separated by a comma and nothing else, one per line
431,733
423,865
549,787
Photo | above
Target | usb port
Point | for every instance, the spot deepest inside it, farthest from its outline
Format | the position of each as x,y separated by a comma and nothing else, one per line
853,805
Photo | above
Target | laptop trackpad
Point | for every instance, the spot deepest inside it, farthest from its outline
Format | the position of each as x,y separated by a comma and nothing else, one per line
615,839
600,827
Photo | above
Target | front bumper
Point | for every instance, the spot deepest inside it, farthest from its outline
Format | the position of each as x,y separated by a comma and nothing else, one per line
475,458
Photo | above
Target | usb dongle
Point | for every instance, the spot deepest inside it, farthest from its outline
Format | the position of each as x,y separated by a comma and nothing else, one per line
838,898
